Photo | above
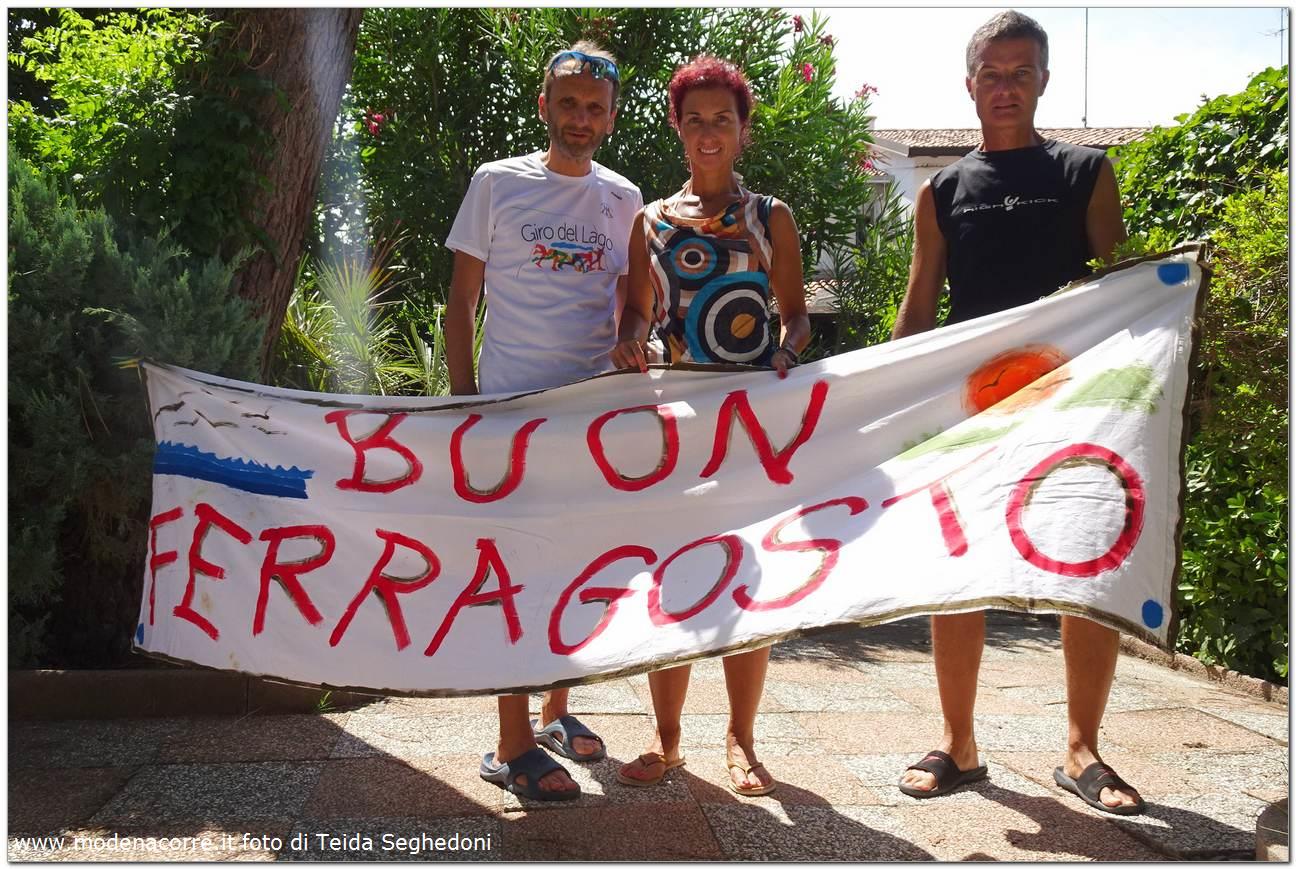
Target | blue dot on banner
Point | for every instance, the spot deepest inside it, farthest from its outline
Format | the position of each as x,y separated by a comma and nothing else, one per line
1153,614
139,633
1172,273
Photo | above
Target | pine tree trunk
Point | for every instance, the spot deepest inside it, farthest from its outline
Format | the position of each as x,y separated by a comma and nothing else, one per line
307,53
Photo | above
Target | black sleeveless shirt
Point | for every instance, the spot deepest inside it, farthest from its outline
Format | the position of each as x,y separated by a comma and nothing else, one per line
1014,224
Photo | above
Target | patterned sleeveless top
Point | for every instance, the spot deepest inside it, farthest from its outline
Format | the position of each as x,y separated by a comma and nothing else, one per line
711,278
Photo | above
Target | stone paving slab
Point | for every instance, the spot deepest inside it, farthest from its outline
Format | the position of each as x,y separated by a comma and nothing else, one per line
991,701
1177,729
413,736
845,697
1013,826
1039,670
1198,826
817,781
905,674
844,713
255,737
823,833
213,793
617,696
1258,718
872,732
385,787
704,695
678,831
777,733
86,743
43,801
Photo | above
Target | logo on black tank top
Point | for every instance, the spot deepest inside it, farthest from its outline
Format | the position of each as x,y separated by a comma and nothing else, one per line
1008,204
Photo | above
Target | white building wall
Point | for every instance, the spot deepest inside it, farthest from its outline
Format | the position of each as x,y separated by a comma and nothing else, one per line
910,173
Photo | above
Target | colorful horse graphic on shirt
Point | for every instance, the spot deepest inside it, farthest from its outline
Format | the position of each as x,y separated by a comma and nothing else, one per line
581,259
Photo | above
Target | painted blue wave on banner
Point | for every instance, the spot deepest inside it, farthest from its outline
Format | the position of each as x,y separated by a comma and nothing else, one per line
183,460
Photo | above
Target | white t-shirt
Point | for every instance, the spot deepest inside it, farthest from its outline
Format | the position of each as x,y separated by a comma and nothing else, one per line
554,246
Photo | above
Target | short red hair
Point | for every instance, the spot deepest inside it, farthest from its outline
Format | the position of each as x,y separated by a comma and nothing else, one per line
708,71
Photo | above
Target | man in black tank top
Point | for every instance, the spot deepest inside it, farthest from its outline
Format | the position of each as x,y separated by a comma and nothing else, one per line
1011,222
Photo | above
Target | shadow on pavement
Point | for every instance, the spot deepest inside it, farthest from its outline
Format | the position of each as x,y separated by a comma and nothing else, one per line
300,787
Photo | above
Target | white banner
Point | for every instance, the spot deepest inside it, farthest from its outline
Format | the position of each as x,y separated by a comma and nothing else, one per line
1030,460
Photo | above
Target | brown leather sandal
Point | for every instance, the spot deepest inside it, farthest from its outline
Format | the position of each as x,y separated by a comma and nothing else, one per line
647,759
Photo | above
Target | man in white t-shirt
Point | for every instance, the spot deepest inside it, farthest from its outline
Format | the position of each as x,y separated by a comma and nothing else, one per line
547,236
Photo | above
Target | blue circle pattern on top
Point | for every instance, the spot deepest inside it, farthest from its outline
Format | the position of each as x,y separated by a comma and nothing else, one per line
714,326
695,258
1172,273
1153,614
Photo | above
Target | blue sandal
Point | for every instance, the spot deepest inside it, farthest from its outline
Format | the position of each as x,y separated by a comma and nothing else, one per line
557,737
533,764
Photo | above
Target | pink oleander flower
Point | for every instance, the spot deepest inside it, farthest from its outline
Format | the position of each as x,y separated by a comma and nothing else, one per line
827,40
798,24
865,90
807,72
374,121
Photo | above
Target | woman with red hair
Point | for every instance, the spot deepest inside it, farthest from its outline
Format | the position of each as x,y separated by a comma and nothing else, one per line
703,264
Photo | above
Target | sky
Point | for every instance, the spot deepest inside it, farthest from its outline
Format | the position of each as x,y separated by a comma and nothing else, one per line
1145,65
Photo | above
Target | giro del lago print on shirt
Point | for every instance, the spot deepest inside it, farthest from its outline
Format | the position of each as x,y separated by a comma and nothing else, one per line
562,243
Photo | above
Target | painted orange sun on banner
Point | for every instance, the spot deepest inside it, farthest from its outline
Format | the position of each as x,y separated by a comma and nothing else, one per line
1015,380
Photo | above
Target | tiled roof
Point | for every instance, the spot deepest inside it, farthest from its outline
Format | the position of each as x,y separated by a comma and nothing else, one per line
934,143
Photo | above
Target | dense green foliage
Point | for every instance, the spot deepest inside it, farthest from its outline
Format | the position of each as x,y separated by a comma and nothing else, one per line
437,92
1222,174
1179,178
142,118
1234,581
83,298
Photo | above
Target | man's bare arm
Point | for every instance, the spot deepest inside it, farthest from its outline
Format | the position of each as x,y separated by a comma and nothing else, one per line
635,322
1104,220
461,322
926,271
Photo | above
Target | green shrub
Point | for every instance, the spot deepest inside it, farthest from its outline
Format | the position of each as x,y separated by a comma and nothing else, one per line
1222,175
81,302
1178,178
143,119
1233,585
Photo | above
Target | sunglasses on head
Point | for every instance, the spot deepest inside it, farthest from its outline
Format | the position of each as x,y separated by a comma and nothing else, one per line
599,67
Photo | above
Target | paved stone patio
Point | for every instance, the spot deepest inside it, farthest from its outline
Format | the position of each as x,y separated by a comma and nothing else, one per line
843,714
